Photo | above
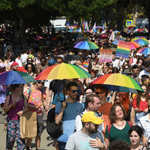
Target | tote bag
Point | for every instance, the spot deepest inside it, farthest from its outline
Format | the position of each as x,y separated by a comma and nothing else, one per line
28,125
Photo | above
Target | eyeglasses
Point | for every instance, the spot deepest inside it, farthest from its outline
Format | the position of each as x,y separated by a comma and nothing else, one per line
75,91
98,93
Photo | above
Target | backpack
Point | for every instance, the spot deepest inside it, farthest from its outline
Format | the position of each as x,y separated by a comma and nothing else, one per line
109,127
53,129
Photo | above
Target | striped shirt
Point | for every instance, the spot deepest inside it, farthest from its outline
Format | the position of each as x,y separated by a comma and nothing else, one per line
145,125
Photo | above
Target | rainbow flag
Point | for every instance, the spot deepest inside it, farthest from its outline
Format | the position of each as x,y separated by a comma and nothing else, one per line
85,64
123,49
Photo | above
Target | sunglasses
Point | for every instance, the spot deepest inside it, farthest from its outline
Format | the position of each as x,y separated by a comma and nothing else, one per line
98,93
95,125
75,91
29,67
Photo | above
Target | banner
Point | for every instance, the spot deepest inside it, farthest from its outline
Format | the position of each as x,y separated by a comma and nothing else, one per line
105,55
123,49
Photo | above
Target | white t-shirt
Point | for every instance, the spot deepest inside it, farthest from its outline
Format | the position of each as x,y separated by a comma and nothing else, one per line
78,123
143,72
19,62
80,141
24,57
116,63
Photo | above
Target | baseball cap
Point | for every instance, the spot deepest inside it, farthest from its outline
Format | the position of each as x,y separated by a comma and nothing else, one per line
21,69
91,116
14,64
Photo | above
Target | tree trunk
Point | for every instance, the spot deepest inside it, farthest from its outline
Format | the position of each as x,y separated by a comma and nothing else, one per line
135,14
22,31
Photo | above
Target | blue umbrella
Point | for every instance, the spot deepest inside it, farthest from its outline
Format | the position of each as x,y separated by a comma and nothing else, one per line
15,77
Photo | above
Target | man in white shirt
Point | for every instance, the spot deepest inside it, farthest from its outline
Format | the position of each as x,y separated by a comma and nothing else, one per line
92,103
146,71
115,61
145,125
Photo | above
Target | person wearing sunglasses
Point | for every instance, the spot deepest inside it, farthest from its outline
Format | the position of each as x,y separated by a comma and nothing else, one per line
15,105
67,111
88,137
102,92
146,71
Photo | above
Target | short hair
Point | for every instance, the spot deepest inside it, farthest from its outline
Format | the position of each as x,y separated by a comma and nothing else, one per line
119,145
144,78
103,88
134,67
42,58
91,88
70,84
146,64
137,129
90,98
58,57
112,115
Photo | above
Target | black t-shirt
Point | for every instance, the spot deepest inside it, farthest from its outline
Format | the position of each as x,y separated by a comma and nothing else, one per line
54,85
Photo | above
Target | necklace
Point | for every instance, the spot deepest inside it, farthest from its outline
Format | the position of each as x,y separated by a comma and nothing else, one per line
120,125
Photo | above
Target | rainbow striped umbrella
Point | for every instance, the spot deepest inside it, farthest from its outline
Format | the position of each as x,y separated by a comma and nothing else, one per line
86,45
140,40
118,82
134,45
63,71
144,50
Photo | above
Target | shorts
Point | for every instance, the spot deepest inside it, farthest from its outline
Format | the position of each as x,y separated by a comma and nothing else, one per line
40,125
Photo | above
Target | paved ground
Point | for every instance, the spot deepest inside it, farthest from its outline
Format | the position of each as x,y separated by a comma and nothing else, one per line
46,142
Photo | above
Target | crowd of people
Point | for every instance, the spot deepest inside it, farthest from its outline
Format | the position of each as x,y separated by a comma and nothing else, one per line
93,117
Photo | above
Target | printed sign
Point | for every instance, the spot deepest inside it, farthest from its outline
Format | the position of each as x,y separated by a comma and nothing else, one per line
123,49
105,55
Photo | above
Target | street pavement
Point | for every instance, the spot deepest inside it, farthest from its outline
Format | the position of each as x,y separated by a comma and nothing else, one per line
46,142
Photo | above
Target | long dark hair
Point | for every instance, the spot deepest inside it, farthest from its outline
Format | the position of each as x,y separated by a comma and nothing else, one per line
139,95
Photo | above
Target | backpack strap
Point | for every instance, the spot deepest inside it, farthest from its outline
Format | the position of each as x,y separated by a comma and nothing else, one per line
130,123
108,129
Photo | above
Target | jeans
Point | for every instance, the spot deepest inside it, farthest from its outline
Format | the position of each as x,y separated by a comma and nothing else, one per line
61,145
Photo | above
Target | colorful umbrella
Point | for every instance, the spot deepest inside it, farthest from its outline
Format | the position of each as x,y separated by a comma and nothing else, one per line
15,77
134,45
118,82
141,41
144,50
86,45
63,71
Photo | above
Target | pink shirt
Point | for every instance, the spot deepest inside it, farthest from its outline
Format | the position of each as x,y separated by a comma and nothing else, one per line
34,99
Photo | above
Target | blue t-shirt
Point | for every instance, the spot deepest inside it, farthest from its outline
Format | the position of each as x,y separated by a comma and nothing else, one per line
69,116
58,97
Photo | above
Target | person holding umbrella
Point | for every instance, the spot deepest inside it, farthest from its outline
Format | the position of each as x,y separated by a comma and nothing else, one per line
15,105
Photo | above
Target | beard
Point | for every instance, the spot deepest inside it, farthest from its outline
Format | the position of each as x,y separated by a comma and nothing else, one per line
92,130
